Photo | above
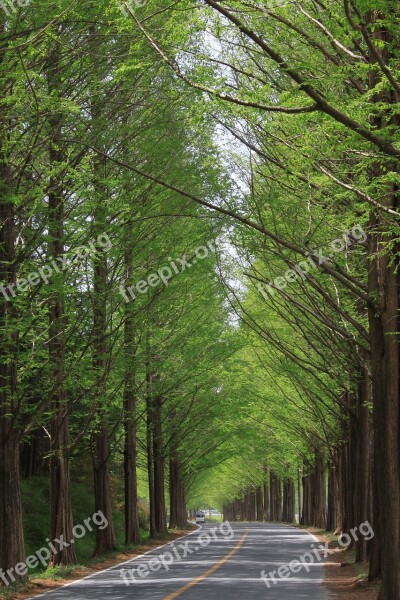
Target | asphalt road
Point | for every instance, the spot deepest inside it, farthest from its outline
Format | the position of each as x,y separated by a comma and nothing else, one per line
228,567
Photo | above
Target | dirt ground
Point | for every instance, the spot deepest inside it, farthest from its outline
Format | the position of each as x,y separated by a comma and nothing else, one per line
345,580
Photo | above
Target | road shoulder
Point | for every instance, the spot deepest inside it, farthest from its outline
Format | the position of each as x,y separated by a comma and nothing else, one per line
344,579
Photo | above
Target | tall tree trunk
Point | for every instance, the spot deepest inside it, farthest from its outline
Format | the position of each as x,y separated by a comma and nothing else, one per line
267,509
105,537
306,514
178,515
61,520
11,530
383,284
275,498
347,454
132,531
362,480
375,558
272,493
385,375
299,493
334,515
319,493
159,467
260,504
288,501
285,501
252,504
278,499
149,438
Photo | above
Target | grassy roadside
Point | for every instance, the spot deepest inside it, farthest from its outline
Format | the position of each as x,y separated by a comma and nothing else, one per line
213,519
56,577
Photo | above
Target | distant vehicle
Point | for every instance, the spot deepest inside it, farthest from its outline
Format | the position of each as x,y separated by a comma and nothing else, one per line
200,517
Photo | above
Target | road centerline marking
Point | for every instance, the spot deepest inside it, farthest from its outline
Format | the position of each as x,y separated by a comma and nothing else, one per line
210,571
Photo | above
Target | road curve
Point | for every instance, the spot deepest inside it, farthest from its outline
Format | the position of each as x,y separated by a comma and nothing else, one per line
224,563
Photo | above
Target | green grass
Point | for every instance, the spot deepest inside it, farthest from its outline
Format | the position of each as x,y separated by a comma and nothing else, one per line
8,593
213,519
36,501
361,571
56,573
35,493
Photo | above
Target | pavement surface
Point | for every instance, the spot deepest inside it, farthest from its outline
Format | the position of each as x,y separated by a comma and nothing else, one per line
217,562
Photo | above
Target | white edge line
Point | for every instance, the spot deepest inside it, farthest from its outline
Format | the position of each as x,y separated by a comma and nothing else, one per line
140,556
113,567
315,539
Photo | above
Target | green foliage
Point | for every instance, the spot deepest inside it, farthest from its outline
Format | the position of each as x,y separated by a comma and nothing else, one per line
278,129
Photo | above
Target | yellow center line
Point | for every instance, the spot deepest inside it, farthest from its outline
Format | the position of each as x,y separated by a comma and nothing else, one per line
209,572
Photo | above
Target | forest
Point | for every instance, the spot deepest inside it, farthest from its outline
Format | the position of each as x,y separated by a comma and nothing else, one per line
199,271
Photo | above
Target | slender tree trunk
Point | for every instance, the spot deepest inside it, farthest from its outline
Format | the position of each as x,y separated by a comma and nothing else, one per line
319,494
159,467
105,537
306,515
61,520
278,500
272,493
285,501
346,484
132,531
339,479
362,490
178,515
252,516
149,439
267,510
299,493
375,558
288,501
275,498
260,504
334,519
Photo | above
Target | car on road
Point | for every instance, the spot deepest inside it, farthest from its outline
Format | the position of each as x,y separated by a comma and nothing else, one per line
200,517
